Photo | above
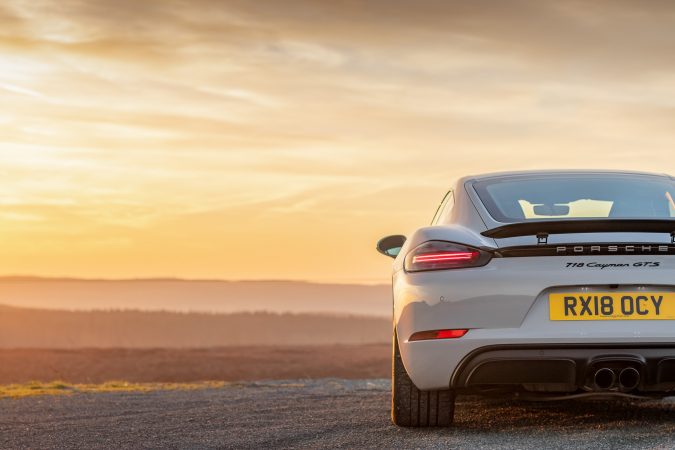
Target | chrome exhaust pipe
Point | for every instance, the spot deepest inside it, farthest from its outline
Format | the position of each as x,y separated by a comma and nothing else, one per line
629,378
604,378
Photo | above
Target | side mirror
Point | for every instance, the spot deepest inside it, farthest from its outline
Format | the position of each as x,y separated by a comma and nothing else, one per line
391,245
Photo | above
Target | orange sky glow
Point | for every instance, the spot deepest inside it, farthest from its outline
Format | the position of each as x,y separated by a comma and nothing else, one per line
281,139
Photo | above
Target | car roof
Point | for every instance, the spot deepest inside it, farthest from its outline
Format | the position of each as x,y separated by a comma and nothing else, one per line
525,173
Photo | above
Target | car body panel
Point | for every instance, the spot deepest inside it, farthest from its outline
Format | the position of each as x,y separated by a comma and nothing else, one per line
506,301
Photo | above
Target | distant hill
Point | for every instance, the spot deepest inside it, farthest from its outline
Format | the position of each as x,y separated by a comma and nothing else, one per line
196,295
37,328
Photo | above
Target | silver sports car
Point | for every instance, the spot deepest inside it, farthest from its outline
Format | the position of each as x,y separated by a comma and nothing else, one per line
549,284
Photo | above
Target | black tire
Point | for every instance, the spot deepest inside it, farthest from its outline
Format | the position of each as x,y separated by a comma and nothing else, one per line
411,407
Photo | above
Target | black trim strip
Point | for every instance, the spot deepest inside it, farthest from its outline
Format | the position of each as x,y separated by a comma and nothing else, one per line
534,227
585,249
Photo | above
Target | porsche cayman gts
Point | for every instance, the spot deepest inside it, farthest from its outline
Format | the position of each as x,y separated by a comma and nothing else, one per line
548,284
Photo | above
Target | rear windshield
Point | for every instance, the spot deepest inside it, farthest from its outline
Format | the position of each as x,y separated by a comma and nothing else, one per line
517,199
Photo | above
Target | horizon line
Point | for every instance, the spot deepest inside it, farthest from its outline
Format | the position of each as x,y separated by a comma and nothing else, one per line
17,277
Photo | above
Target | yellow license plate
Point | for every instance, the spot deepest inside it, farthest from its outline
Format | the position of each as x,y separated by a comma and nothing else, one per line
612,306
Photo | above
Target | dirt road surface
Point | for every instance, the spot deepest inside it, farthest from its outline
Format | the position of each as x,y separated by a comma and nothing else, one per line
325,413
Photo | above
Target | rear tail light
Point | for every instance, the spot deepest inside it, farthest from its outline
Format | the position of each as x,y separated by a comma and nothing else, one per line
438,334
441,255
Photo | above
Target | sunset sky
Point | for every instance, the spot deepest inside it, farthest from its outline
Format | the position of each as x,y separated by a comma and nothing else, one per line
280,139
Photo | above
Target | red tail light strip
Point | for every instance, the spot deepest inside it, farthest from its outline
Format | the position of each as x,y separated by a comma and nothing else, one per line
438,334
445,257
442,255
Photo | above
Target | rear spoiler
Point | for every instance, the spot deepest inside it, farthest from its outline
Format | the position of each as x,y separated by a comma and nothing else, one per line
542,228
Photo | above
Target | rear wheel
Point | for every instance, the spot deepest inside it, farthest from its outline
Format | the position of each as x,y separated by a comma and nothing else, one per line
411,407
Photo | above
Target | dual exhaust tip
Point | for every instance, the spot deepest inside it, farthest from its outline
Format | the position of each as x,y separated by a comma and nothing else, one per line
628,379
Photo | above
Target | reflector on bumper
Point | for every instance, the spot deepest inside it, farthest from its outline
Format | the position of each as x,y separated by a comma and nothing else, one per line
437,334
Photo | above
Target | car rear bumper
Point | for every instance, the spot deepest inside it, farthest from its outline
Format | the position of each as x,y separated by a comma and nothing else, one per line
562,365
507,303
568,368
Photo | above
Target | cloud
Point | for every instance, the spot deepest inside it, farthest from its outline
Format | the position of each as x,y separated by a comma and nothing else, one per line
153,123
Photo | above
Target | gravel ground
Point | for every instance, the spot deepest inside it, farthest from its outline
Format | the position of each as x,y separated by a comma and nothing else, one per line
327,413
